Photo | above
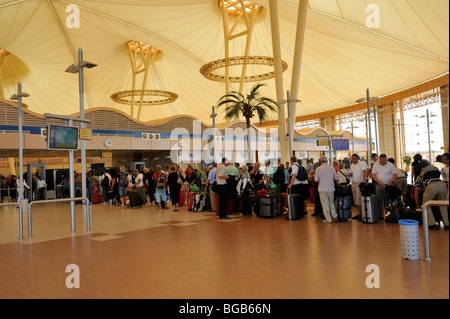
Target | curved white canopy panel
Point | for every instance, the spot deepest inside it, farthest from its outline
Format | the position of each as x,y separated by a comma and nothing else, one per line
342,56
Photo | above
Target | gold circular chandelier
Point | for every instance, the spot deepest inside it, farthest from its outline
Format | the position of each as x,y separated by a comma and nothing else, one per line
125,97
208,70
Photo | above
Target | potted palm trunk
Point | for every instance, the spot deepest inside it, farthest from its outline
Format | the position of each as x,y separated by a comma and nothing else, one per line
248,106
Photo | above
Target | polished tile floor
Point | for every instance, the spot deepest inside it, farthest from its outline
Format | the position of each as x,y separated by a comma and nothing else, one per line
161,254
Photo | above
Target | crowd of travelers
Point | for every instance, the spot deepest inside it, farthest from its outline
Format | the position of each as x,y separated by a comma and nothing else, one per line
315,182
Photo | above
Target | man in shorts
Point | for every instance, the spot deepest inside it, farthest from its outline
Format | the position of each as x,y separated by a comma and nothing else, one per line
359,174
161,183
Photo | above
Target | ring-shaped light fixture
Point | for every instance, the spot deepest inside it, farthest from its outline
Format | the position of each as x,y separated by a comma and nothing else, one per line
123,97
208,70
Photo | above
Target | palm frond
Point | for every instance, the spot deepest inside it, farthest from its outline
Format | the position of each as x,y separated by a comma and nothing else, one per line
233,111
255,91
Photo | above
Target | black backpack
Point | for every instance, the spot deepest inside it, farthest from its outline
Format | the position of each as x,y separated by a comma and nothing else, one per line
301,173
123,181
105,181
367,189
393,192
432,174
278,176
418,167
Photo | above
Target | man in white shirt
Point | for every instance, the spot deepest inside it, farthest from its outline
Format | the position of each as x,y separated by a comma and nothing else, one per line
299,182
326,176
384,173
222,188
359,170
139,179
400,181
41,187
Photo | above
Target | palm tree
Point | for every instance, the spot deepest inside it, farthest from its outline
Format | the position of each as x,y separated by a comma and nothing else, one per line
236,105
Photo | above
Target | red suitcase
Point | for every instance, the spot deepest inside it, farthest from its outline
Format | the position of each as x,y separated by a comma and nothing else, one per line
182,198
262,193
190,201
229,206
97,198
312,194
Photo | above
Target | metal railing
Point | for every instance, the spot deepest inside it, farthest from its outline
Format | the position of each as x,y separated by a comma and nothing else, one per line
426,239
8,189
72,219
20,216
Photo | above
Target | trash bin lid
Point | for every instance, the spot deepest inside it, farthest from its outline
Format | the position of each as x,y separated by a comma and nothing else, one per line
408,222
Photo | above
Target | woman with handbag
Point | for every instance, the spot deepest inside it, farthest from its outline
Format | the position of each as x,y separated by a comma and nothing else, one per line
175,180
343,175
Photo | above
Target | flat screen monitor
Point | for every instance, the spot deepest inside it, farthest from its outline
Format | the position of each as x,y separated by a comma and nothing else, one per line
341,145
62,137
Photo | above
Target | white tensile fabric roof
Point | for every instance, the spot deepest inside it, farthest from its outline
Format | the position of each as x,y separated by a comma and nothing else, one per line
342,56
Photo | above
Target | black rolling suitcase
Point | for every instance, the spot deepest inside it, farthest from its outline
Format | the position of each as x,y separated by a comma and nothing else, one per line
135,198
294,206
394,209
248,202
268,207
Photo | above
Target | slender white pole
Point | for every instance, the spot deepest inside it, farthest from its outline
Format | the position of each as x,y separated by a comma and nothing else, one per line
375,117
20,144
290,123
353,139
369,126
83,125
429,136
72,185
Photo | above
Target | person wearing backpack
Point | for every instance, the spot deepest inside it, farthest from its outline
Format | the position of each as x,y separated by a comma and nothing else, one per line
160,179
433,189
299,182
106,184
416,167
123,185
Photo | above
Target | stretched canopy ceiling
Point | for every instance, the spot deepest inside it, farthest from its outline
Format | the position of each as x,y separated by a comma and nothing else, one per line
342,56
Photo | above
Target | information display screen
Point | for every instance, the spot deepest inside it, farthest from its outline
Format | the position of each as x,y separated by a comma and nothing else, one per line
62,137
341,145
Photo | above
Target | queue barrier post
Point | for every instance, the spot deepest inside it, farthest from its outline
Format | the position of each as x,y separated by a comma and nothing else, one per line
426,239
20,216
84,199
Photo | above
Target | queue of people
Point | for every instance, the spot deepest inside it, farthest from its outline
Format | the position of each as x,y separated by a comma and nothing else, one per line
314,182
10,185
